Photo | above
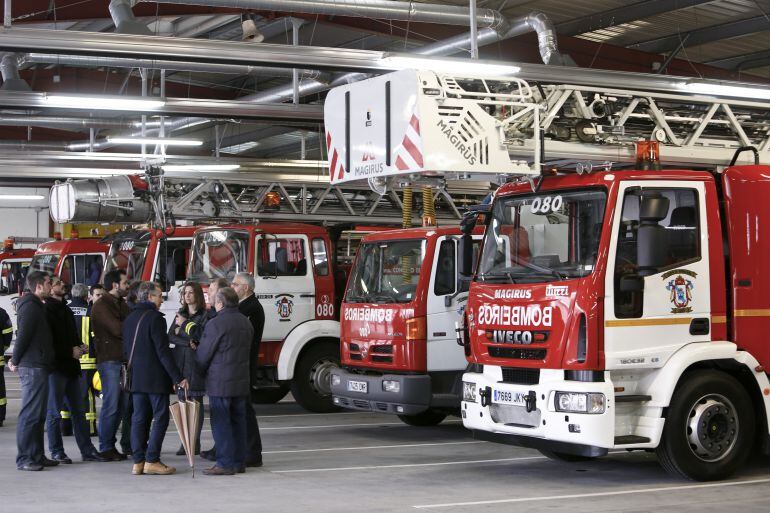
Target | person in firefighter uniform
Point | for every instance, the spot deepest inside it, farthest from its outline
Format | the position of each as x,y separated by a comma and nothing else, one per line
82,311
6,335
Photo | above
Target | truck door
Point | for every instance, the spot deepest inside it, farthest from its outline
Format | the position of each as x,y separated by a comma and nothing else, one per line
284,283
657,284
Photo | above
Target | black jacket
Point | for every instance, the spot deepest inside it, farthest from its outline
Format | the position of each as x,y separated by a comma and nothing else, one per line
6,331
34,340
65,336
252,308
153,370
224,354
184,356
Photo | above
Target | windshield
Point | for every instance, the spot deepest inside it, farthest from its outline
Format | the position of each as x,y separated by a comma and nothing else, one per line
386,272
12,275
129,256
543,237
219,254
45,262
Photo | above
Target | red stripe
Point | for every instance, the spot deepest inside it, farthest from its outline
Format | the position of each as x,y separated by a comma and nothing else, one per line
413,151
401,165
342,173
415,123
328,139
334,163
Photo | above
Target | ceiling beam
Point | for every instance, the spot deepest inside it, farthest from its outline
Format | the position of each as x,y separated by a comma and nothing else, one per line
625,14
705,35
206,108
745,61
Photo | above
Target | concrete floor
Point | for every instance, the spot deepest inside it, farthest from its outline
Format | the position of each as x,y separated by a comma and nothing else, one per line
360,462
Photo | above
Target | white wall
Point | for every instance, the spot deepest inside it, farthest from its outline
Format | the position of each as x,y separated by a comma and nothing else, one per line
23,218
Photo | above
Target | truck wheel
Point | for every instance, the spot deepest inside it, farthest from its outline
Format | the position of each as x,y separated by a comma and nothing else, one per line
709,430
311,386
269,395
427,418
563,456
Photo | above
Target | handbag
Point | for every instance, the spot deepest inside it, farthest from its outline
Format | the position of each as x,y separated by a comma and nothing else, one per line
125,368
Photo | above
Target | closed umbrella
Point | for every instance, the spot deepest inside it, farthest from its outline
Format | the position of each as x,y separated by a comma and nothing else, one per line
186,414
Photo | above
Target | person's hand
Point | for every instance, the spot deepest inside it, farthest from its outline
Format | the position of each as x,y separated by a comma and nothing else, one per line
180,319
77,352
183,384
193,345
12,367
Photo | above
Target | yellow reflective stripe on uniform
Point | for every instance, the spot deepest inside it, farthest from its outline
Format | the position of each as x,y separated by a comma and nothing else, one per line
85,329
65,414
189,327
90,416
3,401
2,361
8,330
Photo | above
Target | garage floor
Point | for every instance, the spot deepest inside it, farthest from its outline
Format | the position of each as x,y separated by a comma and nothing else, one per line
360,462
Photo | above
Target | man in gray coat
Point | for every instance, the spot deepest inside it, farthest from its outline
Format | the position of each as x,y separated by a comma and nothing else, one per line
223,353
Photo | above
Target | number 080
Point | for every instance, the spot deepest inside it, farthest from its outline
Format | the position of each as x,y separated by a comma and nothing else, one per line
324,310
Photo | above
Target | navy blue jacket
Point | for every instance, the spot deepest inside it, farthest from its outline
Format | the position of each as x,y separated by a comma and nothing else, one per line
153,370
224,354
34,340
184,355
65,336
252,308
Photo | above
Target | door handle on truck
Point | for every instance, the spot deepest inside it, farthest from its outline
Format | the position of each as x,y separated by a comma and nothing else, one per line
699,326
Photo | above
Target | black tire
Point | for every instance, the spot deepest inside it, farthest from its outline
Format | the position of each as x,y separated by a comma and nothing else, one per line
725,436
311,386
269,395
563,456
427,418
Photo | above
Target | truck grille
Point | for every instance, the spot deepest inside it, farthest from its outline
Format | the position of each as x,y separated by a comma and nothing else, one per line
520,376
517,353
380,353
382,349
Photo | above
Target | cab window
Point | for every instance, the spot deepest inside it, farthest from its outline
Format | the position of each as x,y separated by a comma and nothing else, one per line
86,269
320,258
281,257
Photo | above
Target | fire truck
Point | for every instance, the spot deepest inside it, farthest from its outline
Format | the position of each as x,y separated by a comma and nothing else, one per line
14,263
74,260
295,282
617,300
398,350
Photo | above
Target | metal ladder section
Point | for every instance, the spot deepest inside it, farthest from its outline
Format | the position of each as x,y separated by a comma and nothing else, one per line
311,201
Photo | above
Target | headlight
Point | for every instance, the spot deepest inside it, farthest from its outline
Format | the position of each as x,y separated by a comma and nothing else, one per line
391,386
469,392
578,402
336,379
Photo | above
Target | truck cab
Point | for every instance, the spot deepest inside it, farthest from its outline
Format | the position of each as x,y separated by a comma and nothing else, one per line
73,260
295,282
621,310
403,300
14,263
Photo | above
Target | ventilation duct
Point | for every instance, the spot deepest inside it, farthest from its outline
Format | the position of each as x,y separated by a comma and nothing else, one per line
9,68
98,200
125,22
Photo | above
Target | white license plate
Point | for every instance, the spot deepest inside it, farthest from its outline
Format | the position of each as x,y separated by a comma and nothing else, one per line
507,397
357,386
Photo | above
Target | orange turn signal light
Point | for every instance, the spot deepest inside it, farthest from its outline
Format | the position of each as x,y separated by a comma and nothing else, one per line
416,329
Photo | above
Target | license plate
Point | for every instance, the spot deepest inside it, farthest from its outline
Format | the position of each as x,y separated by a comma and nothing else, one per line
357,386
506,397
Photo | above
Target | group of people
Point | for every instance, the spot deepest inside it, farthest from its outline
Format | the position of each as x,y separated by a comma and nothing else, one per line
207,351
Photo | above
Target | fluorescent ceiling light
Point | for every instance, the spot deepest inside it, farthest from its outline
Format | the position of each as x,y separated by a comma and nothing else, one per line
102,102
28,197
201,167
154,140
465,67
726,90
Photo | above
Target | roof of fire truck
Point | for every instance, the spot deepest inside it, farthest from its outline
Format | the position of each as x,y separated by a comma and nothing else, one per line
269,228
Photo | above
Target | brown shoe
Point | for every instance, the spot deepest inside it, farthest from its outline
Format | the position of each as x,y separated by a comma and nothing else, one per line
158,469
138,469
218,471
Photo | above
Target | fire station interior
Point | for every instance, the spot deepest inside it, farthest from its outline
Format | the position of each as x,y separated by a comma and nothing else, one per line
510,252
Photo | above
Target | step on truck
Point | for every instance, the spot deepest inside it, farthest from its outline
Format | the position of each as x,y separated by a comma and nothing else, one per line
398,316
155,255
295,282
624,310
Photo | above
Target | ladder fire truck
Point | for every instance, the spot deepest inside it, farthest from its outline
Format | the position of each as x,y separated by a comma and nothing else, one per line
615,304
297,266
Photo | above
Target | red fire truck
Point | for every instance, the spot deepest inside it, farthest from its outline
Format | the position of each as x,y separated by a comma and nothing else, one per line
624,310
397,327
295,282
13,267
73,260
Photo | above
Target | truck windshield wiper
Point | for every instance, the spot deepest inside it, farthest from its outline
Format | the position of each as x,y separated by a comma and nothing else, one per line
382,298
497,274
356,299
543,270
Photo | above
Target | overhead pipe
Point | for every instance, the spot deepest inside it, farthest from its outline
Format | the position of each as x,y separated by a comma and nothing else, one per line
62,122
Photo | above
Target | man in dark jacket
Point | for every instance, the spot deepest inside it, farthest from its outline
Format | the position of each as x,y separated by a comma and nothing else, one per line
33,357
249,305
6,336
107,316
64,381
224,353
153,373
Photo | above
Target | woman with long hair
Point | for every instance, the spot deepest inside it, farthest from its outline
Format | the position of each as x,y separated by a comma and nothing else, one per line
184,334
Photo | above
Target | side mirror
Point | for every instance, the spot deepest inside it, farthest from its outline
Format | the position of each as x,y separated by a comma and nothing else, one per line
631,283
465,255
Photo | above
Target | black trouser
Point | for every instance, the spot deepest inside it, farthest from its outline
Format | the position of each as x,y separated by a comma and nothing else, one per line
253,440
3,398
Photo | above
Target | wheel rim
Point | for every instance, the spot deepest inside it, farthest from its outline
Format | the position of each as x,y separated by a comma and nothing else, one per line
320,376
712,427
